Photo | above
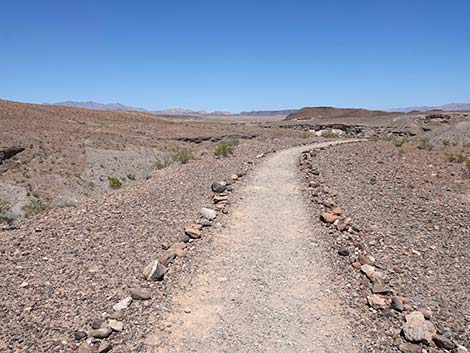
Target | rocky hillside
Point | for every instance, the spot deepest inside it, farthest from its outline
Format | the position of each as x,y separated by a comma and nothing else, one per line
53,155
331,112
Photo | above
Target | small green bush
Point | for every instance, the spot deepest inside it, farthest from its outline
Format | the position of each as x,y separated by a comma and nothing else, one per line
223,150
425,144
114,183
445,143
183,155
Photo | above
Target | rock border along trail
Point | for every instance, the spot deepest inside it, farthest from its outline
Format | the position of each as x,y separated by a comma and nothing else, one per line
265,287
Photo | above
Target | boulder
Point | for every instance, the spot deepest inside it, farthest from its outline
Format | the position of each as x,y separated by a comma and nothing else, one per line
417,329
154,271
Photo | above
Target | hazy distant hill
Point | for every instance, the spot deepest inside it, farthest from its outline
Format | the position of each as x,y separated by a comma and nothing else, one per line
98,106
122,107
451,106
332,112
269,112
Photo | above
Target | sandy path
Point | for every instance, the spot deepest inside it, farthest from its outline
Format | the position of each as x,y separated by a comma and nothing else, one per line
265,289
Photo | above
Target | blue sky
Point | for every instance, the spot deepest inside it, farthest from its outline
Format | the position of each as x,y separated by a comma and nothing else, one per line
236,55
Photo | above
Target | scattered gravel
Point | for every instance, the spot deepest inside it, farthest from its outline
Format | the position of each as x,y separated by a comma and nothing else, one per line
411,212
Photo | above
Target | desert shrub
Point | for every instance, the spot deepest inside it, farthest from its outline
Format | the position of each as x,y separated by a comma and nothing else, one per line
4,209
163,161
424,144
183,155
36,206
63,201
114,183
329,135
456,158
401,142
223,149
232,142
445,143
304,135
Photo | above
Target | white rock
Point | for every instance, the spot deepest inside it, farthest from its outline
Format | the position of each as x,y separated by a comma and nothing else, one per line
123,304
115,325
368,270
154,271
208,213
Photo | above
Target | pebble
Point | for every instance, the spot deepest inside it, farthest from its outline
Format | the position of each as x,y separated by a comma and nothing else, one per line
85,348
208,213
123,304
103,332
443,342
328,217
377,302
104,347
79,335
368,270
397,304
115,325
140,294
218,186
154,271
344,251
192,232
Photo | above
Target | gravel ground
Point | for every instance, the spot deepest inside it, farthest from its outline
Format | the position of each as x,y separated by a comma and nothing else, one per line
263,288
412,208
62,270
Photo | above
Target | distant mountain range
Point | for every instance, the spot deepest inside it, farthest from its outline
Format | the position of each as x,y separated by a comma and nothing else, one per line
269,112
288,112
446,107
98,106
174,111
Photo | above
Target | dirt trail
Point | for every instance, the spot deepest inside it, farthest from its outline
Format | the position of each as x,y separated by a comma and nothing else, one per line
265,289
